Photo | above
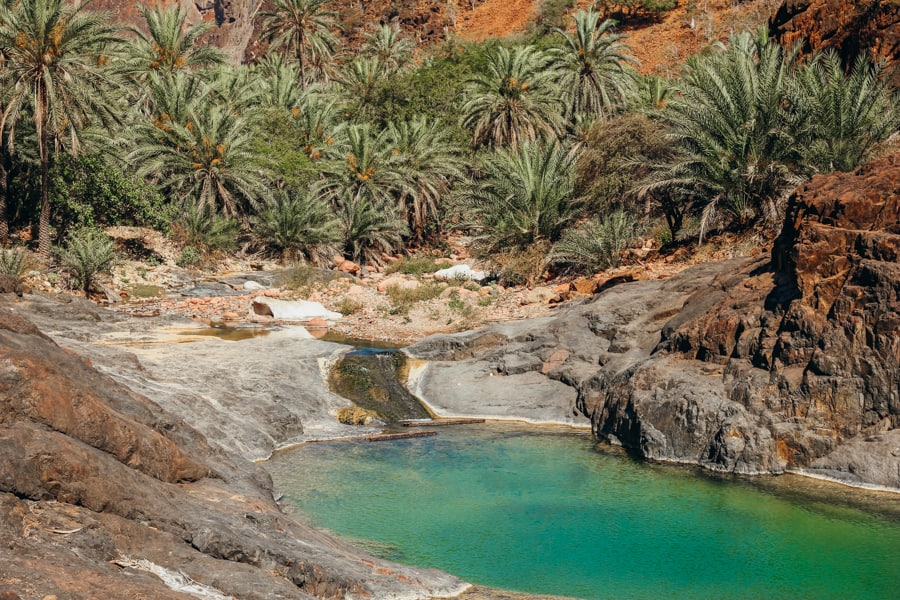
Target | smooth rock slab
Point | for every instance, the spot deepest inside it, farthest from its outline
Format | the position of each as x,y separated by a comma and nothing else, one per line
292,310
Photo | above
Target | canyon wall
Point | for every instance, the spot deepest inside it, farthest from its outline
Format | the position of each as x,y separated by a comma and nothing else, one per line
756,365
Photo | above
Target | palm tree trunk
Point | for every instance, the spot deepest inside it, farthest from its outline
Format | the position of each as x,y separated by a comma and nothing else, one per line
44,223
300,59
4,189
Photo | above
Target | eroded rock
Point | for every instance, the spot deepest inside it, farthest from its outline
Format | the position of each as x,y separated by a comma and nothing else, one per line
749,366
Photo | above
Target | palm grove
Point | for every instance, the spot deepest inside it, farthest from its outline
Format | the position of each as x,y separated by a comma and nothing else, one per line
550,147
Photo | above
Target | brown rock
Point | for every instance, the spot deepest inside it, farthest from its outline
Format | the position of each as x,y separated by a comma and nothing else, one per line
849,28
584,285
317,323
348,266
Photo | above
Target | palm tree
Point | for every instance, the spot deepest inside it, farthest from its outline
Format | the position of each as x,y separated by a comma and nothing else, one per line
429,163
361,181
361,82
169,45
840,117
515,101
301,29
210,159
298,225
525,196
55,57
316,121
593,65
388,45
730,126
172,98
280,82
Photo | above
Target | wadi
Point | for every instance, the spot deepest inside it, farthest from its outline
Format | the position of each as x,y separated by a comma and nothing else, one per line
670,230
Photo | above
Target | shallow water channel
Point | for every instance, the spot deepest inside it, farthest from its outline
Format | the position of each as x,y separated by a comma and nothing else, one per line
542,510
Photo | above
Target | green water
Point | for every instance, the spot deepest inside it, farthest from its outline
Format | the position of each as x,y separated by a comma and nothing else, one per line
547,513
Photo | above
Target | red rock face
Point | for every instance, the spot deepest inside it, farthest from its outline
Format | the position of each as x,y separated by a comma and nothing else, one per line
823,318
850,28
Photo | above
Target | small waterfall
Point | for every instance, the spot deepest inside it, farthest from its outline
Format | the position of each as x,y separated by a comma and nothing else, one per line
372,379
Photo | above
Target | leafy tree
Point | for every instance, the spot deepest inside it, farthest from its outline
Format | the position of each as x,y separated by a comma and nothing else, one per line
90,191
429,163
840,117
731,128
516,100
301,29
524,196
593,67
169,45
616,156
55,70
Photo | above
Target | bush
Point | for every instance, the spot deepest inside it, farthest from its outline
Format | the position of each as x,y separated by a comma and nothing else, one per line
14,263
205,230
88,191
303,276
403,298
348,306
189,257
86,254
521,267
596,245
298,226
416,265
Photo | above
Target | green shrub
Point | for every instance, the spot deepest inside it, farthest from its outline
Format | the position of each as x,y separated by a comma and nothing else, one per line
89,191
416,265
348,306
189,257
205,230
402,299
14,262
86,254
596,245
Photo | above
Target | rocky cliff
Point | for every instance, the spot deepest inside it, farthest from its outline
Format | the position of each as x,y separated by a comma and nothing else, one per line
106,494
850,28
752,365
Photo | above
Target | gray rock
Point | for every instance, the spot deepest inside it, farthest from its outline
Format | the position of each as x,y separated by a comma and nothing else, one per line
625,358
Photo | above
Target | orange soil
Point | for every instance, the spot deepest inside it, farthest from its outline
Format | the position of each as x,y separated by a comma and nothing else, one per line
660,47
493,18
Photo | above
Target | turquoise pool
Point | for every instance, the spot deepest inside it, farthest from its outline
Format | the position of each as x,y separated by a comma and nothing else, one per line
543,511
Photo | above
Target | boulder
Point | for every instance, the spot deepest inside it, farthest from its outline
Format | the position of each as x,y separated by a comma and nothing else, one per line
464,272
292,310
348,266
